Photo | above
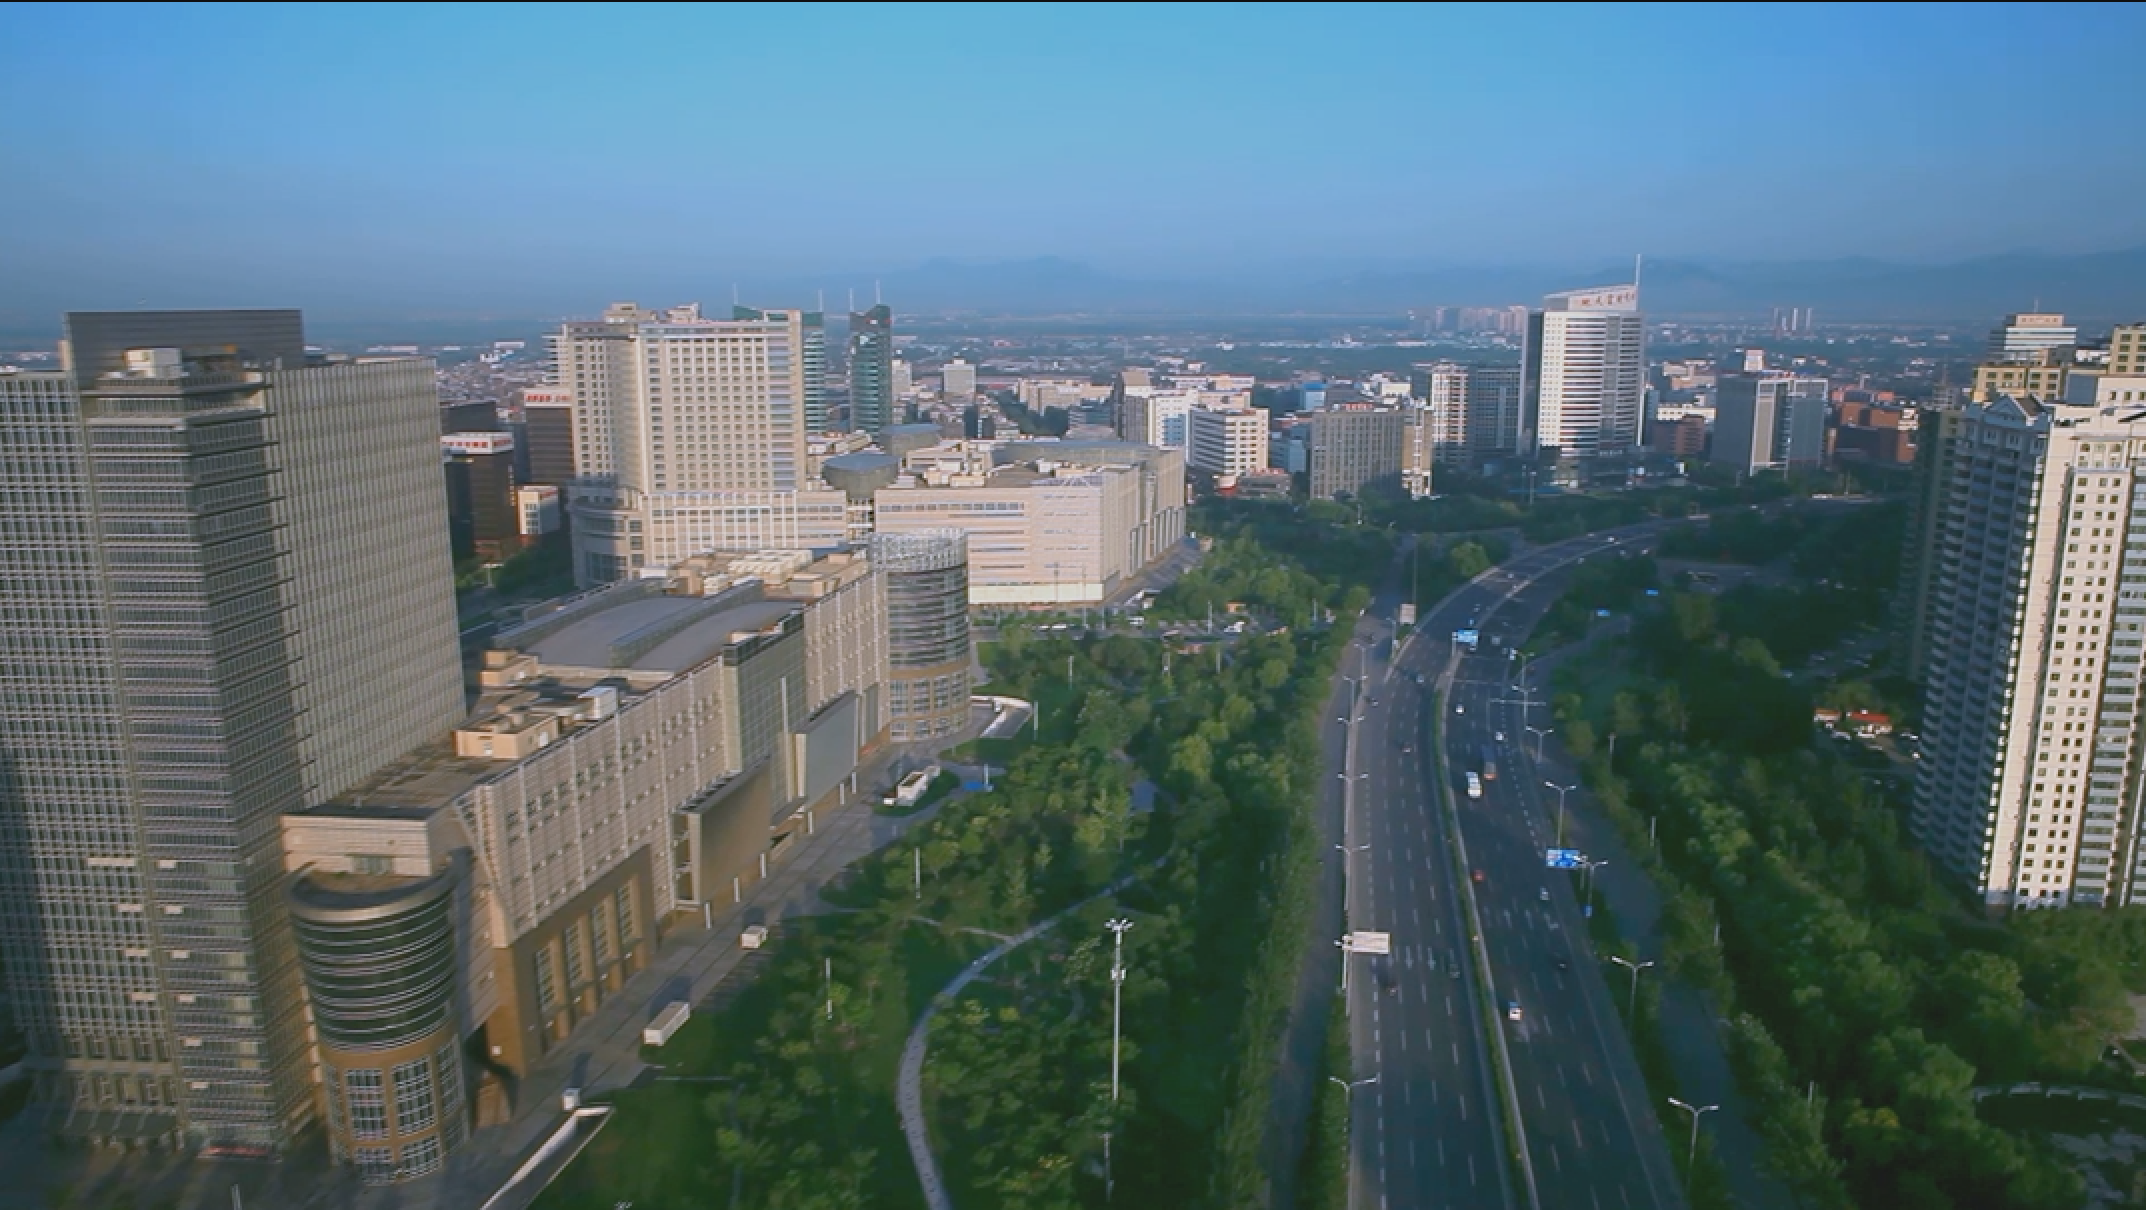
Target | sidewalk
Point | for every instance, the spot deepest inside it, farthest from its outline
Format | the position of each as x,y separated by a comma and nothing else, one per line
1690,1026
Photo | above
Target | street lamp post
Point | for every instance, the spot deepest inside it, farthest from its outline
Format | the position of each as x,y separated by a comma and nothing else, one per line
1540,734
1561,792
1117,989
1589,891
1696,1112
1635,968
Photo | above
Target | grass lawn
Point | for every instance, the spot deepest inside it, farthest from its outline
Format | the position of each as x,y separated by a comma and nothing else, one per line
660,1151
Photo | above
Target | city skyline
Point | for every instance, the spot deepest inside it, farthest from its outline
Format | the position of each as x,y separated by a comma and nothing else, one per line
1278,119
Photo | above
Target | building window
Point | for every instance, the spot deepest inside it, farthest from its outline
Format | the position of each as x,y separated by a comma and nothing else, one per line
420,1158
600,932
574,965
627,933
414,1108
374,1167
367,1102
547,989
448,1066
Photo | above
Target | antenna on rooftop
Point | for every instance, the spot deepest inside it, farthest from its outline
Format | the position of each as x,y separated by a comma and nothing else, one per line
1636,258
853,300
876,299
733,294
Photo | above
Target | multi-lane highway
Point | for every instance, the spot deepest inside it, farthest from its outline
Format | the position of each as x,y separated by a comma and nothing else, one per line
1430,1130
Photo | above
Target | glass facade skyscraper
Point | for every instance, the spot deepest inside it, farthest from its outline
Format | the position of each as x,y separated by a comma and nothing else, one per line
871,369
158,715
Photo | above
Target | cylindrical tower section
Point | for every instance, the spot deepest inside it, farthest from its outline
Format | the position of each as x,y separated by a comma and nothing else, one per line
928,644
379,959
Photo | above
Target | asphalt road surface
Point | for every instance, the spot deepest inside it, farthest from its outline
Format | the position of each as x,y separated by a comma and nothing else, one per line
1428,1132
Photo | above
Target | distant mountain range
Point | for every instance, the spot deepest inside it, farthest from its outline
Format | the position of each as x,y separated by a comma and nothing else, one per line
2102,286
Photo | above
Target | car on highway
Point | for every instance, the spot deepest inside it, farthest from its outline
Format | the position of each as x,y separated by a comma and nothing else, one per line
1545,895
1479,875
1512,1010
1460,708
1475,785
1498,736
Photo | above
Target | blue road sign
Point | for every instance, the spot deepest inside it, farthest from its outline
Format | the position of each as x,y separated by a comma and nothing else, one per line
1563,859
1466,638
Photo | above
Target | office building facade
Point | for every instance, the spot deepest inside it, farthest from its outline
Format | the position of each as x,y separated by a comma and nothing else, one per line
678,420
2029,335
1770,422
548,431
1584,373
1226,442
189,502
1354,448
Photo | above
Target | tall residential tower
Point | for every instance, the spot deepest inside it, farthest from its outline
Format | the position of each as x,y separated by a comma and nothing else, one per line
2028,609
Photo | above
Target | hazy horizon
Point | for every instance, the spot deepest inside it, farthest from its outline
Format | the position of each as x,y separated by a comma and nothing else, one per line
441,161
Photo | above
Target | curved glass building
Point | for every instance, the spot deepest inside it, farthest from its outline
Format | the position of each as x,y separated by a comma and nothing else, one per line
929,649
378,954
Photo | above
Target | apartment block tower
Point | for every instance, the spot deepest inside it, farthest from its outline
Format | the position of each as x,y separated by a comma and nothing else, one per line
1584,373
2027,612
680,419
230,595
1476,410
871,370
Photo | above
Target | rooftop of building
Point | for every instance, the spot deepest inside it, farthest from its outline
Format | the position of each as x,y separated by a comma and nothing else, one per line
629,637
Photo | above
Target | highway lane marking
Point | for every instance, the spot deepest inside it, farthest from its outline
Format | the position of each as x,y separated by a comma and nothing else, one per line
1456,1054
1539,1100
1624,1195
1556,1165
1471,1170
1577,1140
1441,1153
1412,1165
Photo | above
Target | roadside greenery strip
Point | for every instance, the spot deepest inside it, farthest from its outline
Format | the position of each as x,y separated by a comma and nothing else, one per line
1219,743
1863,999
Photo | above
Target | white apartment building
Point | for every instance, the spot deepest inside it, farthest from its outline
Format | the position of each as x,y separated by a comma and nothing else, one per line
1584,377
1226,442
695,422
2031,611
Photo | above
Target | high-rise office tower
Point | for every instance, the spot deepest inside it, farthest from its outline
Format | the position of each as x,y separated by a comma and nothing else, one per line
2025,621
1768,421
677,417
1585,373
548,430
231,597
871,369
810,329
2026,336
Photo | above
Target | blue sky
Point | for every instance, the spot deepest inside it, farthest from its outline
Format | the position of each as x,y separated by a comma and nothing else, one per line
517,157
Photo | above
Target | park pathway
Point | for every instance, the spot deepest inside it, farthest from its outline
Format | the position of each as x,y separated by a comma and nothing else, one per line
909,1087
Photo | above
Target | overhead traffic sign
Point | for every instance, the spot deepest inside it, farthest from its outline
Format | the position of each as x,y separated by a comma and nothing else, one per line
1371,943
1564,859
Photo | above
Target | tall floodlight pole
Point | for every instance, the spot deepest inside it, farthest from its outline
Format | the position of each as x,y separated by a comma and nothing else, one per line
1117,990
